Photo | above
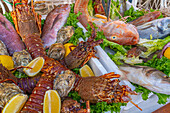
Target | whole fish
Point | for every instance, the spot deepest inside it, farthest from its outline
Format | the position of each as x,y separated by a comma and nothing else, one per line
116,31
9,36
155,29
53,23
147,77
146,18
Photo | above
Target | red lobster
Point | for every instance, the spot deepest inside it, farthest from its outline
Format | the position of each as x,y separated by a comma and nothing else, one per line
28,26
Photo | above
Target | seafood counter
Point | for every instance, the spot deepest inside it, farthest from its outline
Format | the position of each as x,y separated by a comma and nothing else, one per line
44,54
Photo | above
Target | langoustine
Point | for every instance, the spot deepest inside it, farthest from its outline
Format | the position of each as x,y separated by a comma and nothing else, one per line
147,77
9,36
116,31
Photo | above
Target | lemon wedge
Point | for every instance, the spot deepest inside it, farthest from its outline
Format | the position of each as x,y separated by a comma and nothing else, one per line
36,66
15,104
67,49
52,102
7,61
86,71
167,53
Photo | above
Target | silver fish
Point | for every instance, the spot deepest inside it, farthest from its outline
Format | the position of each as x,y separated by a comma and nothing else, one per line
159,28
147,77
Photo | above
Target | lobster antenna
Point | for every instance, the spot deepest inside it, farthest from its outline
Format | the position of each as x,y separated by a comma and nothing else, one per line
14,69
136,105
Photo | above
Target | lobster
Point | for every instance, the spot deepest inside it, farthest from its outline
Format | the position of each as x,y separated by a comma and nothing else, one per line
83,52
24,15
26,84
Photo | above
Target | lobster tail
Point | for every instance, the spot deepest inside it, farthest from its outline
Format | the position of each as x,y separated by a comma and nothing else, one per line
28,84
35,46
35,101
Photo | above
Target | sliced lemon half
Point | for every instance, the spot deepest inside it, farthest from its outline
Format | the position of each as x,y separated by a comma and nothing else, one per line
86,71
15,104
7,61
52,102
36,66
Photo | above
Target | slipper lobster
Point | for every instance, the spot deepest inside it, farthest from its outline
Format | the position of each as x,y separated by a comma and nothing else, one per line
28,26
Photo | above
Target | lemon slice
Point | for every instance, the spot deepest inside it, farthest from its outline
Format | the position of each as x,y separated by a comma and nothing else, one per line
15,104
100,16
86,71
7,61
36,66
67,49
52,102
167,53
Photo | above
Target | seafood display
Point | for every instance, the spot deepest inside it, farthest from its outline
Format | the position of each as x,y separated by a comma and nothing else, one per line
116,31
56,73
146,18
21,58
3,49
155,29
53,23
64,34
8,90
70,105
9,36
150,78
56,51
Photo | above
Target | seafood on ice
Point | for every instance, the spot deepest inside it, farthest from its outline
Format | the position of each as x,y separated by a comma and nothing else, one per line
147,77
116,31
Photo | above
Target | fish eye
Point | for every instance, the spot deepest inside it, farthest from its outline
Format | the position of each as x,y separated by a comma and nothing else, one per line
113,37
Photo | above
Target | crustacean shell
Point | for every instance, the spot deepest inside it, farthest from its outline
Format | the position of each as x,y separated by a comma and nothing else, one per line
64,82
21,58
3,49
64,34
8,90
56,51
